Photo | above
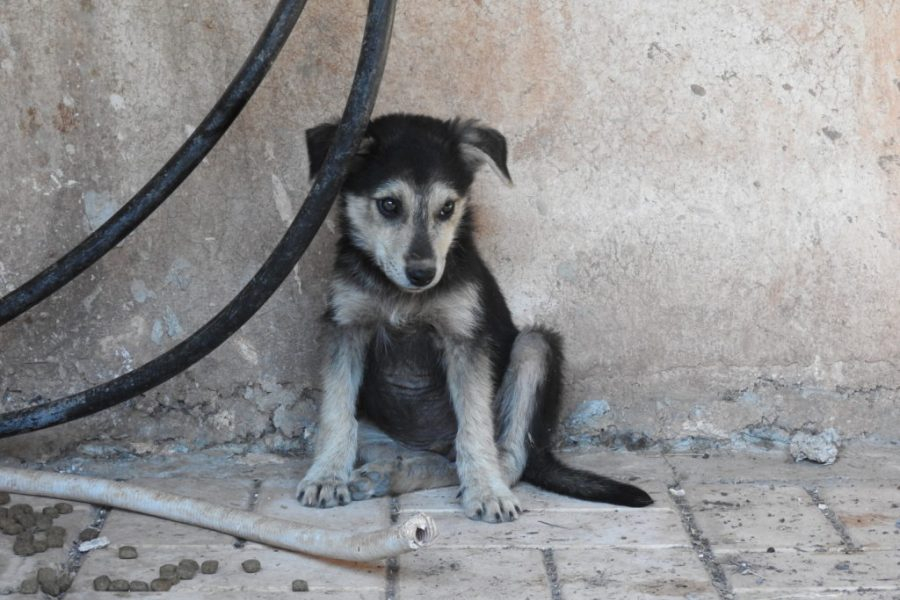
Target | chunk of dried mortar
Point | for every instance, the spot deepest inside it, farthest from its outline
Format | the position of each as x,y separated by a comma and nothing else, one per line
820,448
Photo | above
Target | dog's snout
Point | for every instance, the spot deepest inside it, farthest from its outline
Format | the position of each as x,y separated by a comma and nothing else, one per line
420,273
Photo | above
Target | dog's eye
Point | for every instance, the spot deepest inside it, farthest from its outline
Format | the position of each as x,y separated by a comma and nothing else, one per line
447,209
389,207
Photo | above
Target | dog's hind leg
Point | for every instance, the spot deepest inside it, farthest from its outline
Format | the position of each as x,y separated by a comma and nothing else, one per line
387,467
531,382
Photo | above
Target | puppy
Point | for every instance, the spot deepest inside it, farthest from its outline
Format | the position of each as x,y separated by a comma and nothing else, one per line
427,381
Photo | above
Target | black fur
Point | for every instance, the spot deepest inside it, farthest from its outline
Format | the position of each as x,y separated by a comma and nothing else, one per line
404,386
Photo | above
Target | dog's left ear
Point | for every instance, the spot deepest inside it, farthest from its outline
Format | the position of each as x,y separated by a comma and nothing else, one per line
480,145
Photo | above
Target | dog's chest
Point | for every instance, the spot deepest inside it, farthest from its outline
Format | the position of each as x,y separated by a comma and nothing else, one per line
404,389
453,313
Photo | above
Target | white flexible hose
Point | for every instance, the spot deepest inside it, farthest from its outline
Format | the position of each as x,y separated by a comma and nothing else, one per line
414,533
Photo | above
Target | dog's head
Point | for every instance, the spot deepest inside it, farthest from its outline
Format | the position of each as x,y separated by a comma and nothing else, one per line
406,193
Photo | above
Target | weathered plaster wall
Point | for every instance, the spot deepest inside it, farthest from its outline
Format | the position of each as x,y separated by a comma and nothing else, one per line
707,204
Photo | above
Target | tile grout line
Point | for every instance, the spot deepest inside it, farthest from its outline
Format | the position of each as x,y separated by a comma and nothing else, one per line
392,573
75,557
552,574
251,507
846,541
699,542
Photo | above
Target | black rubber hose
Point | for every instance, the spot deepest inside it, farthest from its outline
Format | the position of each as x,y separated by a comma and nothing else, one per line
169,177
276,268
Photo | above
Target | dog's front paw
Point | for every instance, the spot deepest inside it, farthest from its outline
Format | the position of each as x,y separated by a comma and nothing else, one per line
495,505
371,480
323,492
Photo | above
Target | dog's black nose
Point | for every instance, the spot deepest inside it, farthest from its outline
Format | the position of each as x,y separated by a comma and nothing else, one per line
420,275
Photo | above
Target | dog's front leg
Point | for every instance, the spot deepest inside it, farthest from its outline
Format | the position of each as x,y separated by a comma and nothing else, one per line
325,484
483,491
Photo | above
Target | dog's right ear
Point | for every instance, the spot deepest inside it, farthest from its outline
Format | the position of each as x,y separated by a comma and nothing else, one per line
318,141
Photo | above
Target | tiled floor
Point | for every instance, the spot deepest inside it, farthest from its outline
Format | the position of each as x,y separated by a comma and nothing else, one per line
723,526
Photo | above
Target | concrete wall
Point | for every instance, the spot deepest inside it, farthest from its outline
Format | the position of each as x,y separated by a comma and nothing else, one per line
707,204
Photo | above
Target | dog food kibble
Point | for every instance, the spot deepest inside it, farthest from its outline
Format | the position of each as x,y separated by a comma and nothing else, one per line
161,585
127,552
64,581
251,566
187,568
101,584
56,537
29,586
46,578
24,544
22,514
10,527
4,497
40,546
209,567
88,534
50,511
42,522
168,572
119,585
299,585
63,508
139,586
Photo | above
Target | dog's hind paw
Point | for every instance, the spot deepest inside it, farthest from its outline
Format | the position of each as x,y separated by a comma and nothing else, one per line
371,480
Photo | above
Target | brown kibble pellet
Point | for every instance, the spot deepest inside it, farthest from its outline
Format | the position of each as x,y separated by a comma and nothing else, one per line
56,537
29,586
101,584
209,567
63,508
40,546
42,522
119,585
88,534
22,514
187,568
139,586
10,527
161,585
16,510
50,511
168,571
48,581
24,544
251,566
299,585
128,552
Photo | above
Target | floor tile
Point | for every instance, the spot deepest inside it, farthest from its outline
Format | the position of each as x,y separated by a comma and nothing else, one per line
870,511
756,517
458,574
625,573
809,574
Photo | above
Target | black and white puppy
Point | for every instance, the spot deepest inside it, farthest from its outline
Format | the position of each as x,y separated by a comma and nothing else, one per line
427,381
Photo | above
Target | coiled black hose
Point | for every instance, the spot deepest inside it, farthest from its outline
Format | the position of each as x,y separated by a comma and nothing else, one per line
170,176
276,268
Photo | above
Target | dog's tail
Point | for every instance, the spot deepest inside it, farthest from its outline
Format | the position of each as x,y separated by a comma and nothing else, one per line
546,471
